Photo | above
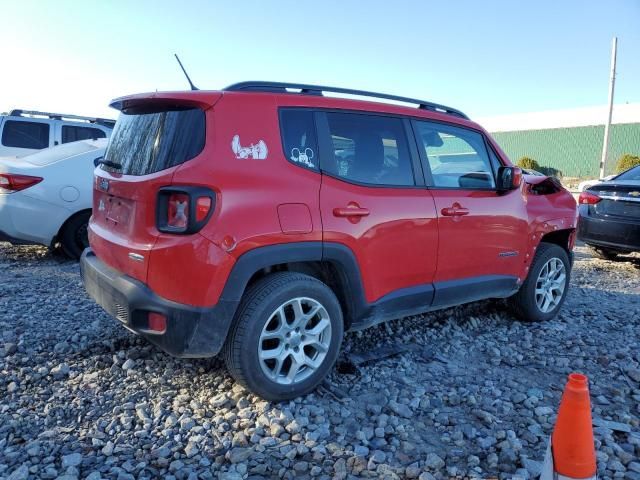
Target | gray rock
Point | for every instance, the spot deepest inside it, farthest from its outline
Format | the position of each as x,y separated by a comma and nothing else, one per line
412,471
634,373
340,469
487,442
191,450
543,411
400,409
9,349
378,456
60,371
71,460
533,467
129,364
20,473
107,450
237,455
617,426
300,467
360,451
434,462
426,476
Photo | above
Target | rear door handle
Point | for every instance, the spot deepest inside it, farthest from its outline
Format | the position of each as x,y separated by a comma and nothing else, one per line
350,212
454,211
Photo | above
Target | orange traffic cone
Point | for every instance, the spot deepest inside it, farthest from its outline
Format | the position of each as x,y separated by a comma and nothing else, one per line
572,453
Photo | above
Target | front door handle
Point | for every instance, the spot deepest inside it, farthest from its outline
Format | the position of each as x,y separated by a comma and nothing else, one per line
350,212
455,210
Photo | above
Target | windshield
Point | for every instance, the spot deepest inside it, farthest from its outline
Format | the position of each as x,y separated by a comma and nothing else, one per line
631,174
144,143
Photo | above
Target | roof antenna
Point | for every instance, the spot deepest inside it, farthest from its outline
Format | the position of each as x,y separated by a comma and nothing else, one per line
193,87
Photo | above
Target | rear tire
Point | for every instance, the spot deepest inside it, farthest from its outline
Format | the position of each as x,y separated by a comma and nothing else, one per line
604,253
545,288
286,336
74,236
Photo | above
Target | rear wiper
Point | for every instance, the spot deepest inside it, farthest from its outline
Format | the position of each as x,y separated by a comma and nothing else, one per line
107,163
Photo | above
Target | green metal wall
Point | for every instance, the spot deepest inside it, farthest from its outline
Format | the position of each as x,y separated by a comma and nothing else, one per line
574,151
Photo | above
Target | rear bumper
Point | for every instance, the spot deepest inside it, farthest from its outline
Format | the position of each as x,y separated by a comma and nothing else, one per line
606,232
191,331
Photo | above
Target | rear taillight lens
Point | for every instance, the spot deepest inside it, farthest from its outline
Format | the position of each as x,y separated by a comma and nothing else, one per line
588,198
203,207
10,182
184,209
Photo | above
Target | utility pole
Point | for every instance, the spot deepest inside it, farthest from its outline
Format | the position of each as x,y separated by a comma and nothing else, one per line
607,127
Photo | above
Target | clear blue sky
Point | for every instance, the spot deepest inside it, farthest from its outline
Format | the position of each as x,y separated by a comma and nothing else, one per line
484,57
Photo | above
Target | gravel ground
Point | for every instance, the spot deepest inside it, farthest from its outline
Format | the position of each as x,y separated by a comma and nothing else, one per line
473,393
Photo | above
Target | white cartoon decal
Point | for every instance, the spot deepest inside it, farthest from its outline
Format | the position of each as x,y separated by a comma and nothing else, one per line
258,151
303,156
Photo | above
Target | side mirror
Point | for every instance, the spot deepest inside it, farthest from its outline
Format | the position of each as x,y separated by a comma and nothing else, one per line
509,178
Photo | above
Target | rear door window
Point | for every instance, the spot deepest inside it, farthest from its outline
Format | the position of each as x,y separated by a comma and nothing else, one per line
299,137
369,149
457,157
145,142
24,134
73,134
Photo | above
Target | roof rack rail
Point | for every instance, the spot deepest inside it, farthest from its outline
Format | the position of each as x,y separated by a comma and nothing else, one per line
59,116
282,87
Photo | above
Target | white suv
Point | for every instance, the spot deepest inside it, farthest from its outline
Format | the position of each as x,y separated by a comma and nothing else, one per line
23,132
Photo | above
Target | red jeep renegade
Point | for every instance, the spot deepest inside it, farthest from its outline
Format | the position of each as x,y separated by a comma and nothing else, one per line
266,219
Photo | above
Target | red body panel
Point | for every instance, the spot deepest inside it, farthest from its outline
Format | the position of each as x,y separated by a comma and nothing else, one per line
188,269
248,190
123,220
491,239
396,244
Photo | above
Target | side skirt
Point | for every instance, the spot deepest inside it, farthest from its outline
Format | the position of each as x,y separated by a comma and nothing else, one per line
430,297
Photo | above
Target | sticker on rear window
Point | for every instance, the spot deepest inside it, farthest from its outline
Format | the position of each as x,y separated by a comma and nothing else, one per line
258,151
302,155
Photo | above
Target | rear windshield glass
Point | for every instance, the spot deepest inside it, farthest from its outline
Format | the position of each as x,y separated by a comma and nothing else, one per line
144,143
631,174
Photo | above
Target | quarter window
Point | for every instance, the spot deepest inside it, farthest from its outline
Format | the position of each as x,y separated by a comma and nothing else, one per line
369,149
457,157
73,134
25,134
299,137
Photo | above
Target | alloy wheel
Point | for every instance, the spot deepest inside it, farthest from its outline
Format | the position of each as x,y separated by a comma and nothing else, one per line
294,341
550,285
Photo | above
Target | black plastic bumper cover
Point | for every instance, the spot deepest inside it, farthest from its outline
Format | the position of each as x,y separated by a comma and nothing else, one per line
191,331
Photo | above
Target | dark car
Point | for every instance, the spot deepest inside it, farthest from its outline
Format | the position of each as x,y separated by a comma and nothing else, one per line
609,215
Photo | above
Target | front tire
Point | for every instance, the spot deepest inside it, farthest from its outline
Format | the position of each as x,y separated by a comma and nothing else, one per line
545,288
286,336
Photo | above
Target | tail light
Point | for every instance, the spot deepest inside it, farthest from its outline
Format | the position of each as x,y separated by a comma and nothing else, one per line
588,198
10,183
184,209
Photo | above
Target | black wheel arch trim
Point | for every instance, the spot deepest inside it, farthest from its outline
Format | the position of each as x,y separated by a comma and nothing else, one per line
359,313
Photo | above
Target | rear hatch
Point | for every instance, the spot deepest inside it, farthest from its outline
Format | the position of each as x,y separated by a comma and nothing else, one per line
153,136
618,200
